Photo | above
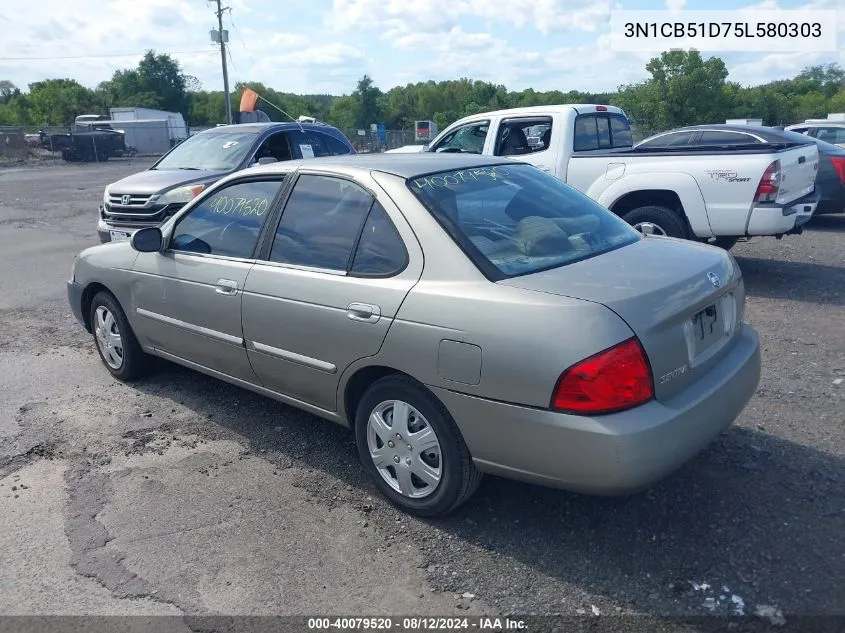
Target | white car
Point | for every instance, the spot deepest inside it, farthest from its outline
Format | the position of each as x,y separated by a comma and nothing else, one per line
701,193
823,129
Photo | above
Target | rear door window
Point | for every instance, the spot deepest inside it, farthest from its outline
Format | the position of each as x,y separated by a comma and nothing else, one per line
321,223
835,135
601,131
523,136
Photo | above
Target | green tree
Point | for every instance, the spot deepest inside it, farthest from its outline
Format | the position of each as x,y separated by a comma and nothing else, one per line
368,101
59,101
157,82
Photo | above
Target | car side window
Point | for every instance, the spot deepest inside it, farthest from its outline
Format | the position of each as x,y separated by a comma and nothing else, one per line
334,146
517,137
835,135
715,137
228,221
674,139
600,131
275,146
380,251
467,138
320,223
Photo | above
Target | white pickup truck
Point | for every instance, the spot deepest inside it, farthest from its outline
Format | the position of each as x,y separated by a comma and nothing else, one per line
726,193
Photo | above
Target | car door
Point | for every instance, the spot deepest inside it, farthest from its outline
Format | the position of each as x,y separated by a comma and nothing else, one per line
529,139
187,297
339,266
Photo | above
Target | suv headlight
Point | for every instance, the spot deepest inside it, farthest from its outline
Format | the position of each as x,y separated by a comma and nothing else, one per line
181,194
106,195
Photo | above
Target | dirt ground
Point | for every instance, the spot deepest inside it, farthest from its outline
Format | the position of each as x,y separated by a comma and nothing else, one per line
183,495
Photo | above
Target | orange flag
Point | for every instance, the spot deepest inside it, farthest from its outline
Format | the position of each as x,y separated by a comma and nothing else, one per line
248,100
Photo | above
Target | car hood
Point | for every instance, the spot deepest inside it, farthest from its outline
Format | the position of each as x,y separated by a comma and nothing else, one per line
657,285
158,180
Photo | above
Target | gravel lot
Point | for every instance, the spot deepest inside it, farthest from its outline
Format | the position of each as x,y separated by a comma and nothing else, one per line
184,495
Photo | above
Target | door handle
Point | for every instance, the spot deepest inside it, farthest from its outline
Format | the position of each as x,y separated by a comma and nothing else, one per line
365,312
226,287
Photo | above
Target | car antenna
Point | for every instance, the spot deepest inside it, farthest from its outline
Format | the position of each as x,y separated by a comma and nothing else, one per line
283,112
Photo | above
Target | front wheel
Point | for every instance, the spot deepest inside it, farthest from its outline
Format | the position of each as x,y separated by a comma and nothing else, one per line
116,343
654,220
412,449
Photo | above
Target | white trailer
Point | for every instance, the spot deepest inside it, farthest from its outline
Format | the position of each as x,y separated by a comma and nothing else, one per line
148,136
177,129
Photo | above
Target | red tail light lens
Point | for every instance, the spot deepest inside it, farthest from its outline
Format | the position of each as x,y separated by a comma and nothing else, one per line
613,380
839,166
601,108
767,190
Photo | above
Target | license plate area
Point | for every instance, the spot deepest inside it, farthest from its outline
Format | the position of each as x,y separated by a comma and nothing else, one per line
118,236
710,328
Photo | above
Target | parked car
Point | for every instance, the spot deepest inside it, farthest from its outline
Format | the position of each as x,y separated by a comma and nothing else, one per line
463,314
832,132
151,196
830,178
702,193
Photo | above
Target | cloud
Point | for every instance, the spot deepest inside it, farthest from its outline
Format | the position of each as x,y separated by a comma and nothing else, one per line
414,16
675,5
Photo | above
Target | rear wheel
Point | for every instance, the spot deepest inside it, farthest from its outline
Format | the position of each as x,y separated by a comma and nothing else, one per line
412,449
116,343
654,220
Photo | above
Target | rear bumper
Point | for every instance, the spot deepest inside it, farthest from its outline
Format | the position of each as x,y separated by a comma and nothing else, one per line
776,219
612,454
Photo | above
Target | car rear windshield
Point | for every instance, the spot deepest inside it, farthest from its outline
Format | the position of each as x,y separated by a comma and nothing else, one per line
209,152
514,219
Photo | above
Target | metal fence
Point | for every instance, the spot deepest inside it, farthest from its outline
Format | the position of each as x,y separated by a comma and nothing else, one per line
85,143
371,141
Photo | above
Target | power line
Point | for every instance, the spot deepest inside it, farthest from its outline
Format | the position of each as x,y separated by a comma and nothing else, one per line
111,55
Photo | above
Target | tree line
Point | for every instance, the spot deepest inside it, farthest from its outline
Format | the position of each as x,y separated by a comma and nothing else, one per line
683,89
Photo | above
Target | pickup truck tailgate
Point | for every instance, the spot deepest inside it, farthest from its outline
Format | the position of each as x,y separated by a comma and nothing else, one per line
799,166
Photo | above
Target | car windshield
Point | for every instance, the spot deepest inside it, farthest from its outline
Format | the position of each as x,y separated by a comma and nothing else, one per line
515,219
209,152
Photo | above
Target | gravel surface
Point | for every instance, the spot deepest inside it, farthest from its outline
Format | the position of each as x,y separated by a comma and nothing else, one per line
184,495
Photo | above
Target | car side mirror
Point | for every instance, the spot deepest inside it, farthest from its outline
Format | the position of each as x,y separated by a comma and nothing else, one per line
147,240
266,160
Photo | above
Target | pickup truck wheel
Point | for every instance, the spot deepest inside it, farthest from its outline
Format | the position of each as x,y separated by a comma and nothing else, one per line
116,343
654,220
412,449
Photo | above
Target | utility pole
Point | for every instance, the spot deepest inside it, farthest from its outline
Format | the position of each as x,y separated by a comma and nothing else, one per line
222,37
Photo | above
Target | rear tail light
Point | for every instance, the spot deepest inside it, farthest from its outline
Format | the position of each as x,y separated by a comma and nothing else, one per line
767,190
601,108
839,166
613,380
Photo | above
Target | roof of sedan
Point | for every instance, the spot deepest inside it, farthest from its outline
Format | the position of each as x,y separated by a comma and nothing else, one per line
402,165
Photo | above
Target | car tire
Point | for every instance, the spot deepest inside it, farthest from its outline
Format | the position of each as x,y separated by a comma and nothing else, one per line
458,477
660,220
116,343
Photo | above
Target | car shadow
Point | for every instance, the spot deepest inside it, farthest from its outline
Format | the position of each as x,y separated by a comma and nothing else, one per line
755,513
797,281
828,223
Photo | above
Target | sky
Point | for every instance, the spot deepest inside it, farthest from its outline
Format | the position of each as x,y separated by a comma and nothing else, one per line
325,46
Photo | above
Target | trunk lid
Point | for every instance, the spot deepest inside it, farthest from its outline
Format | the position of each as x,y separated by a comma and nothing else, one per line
799,166
682,300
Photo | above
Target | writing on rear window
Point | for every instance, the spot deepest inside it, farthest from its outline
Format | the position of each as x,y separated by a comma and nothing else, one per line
442,181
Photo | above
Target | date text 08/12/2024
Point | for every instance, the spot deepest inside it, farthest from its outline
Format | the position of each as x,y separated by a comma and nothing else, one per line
416,623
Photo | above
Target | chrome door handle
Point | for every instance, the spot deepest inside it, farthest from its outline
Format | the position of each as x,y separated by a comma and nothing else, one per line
365,312
226,287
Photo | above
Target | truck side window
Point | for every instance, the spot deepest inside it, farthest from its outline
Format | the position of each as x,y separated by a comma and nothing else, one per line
601,131
467,138
523,136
